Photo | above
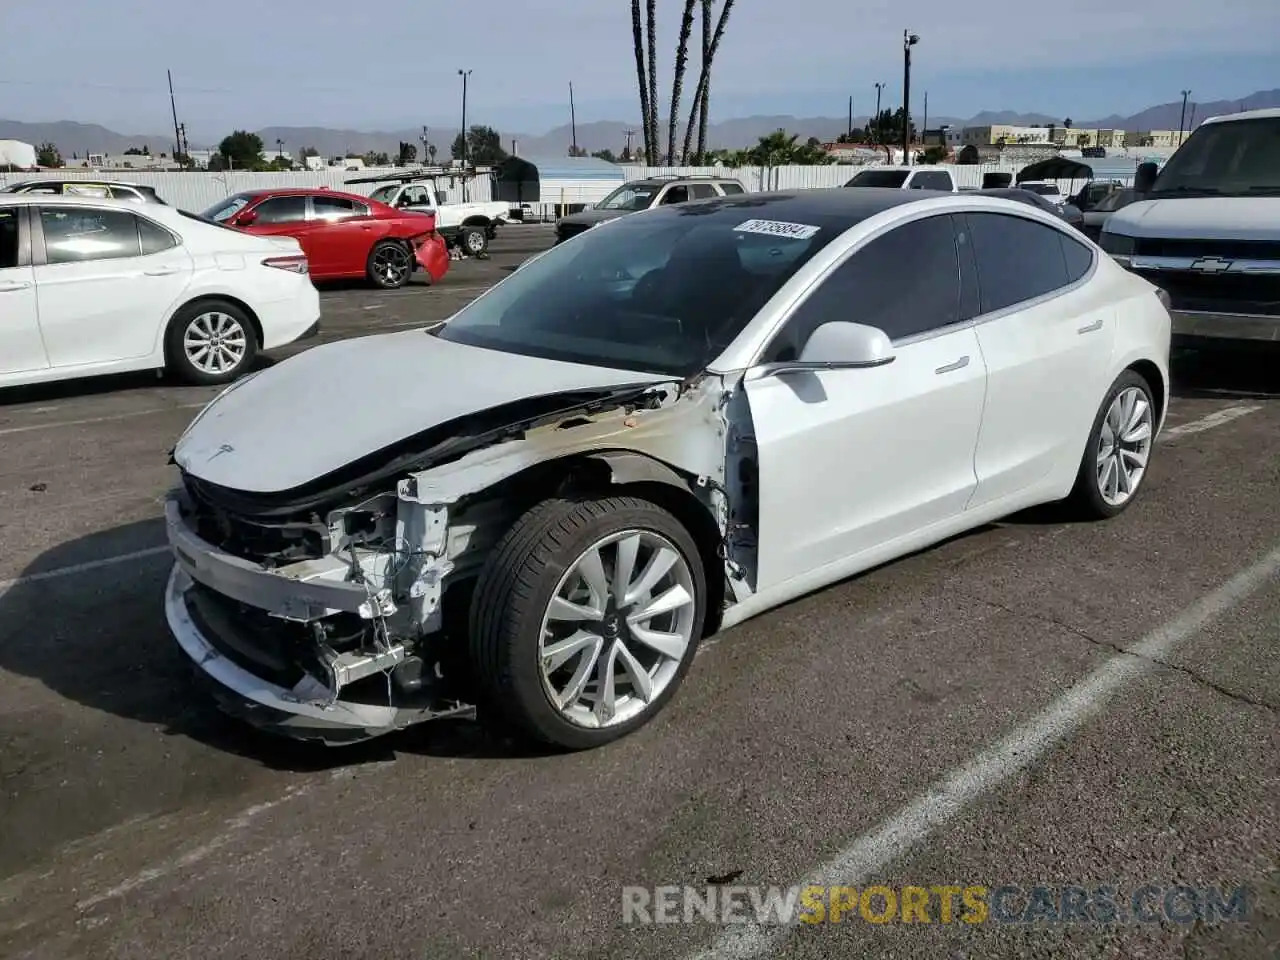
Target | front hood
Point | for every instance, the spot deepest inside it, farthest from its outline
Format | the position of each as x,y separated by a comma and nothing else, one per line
589,218
324,409
1199,218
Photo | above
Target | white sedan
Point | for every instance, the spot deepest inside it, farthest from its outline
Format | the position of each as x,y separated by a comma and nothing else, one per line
93,286
649,433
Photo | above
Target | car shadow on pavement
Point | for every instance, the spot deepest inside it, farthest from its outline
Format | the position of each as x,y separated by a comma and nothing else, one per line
96,636
105,385
1230,371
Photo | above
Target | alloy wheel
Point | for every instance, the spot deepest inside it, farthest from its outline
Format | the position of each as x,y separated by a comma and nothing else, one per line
215,342
617,628
1124,445
391,264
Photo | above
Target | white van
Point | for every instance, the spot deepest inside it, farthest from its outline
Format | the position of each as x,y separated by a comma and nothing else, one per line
1206,229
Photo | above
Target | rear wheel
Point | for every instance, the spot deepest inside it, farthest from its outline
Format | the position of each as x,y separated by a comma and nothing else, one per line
586,619
473,241
210,342
1115,459
390,264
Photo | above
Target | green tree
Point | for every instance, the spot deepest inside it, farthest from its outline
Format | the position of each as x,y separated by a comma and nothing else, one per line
577,151
484,146
408,153
932,155
888,127
134,152
47,155
781,149
376,159
243,150
309,152
606,155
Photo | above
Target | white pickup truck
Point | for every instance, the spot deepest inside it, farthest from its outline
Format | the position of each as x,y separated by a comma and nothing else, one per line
467,227
1206,229
923,177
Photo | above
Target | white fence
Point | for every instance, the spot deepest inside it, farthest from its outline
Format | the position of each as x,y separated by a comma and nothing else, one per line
200,190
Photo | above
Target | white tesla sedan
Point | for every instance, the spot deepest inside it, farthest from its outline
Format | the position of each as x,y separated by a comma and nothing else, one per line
93,286
646,434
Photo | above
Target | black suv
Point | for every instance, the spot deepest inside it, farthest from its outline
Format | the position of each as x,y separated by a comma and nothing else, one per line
637,195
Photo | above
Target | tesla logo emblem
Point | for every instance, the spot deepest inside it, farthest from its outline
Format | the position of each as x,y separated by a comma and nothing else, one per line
1212,265
225,448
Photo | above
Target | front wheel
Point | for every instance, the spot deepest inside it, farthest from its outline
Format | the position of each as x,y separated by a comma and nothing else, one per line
210,342
586,619
473,241
390,264
1115,459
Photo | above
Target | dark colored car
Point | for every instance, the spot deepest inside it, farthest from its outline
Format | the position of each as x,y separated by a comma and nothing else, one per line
344,235
105,189
1096,216
1067,211
637,195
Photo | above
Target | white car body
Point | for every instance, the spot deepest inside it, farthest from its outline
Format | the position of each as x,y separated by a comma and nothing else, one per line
90,317
423,197
918,177
941,433
1047,189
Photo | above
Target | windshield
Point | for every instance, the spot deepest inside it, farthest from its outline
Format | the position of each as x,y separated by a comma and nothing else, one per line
385,194
228,208
1232,158
664,293
879,178
629,196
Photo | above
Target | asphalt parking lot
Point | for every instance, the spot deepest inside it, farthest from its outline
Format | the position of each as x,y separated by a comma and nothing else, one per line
1036,703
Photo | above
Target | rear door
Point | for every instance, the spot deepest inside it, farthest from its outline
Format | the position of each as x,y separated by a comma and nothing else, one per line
106,280
284,216
342,233
21,346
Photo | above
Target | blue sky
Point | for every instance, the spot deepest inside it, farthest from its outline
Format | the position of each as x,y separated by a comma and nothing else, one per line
252,63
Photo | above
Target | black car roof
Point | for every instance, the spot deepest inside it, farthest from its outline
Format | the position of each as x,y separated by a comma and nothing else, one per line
834,207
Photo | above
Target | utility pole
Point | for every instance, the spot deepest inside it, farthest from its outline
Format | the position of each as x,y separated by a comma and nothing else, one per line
850,119
1182,120
177,135
629,134
924,124
573,123
464,74
879,87
426,144
184,145
909,40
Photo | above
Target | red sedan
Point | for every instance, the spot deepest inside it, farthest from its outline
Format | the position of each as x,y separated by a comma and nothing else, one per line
344,235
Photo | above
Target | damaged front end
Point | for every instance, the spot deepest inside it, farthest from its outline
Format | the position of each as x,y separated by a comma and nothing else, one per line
340,612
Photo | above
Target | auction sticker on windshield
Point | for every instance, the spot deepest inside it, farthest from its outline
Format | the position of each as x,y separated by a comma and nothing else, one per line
778,228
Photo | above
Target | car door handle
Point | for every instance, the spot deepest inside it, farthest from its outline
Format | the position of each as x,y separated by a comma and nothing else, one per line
1091,327
12,286
160,272
952,367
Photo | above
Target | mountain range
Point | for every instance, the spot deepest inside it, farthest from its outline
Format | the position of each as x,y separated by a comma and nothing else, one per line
83,138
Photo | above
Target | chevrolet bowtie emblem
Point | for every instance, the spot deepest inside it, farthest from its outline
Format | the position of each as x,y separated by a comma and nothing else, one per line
1212,265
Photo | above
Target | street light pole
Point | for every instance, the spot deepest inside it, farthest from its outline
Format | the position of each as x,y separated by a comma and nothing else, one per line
464,74
909,40
1182,120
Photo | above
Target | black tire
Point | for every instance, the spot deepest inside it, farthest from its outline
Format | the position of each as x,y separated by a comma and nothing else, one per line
390,264
514,590
1086,499
184,366
473,241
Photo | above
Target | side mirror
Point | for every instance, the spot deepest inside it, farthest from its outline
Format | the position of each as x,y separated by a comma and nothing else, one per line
1144,178
842,344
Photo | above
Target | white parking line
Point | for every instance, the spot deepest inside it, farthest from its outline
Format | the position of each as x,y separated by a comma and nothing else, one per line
57,572
1215,419
8,431
949,797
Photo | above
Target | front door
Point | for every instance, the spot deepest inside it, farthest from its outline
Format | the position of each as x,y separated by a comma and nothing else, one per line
855,459
108,282
285,216
21,347
1047,341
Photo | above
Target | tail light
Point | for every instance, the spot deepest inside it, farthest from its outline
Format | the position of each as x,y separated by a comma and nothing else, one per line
294,264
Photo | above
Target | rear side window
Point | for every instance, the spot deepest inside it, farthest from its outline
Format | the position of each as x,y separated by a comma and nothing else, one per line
79,234
154,237
729,189
337,208
8,238
931,180
678,194
281,210
1079,258
702,191
1018,259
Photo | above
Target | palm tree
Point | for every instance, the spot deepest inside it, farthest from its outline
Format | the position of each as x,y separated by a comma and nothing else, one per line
677,84
651,121
702,95
638,39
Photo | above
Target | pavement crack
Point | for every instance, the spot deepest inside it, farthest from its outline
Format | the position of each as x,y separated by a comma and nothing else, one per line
1191,674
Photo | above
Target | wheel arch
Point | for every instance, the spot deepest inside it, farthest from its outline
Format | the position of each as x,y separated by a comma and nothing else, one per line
476,220
621,472
1155,379
211,298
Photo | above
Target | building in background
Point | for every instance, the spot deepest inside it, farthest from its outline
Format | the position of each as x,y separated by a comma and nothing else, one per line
1153,138
15,153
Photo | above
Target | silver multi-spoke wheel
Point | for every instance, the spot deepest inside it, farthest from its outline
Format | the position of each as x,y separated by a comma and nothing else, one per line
215,343
475,242
617,628
1124,445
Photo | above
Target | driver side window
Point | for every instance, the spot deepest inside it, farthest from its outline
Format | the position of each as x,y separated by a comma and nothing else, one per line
675,195
905,282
